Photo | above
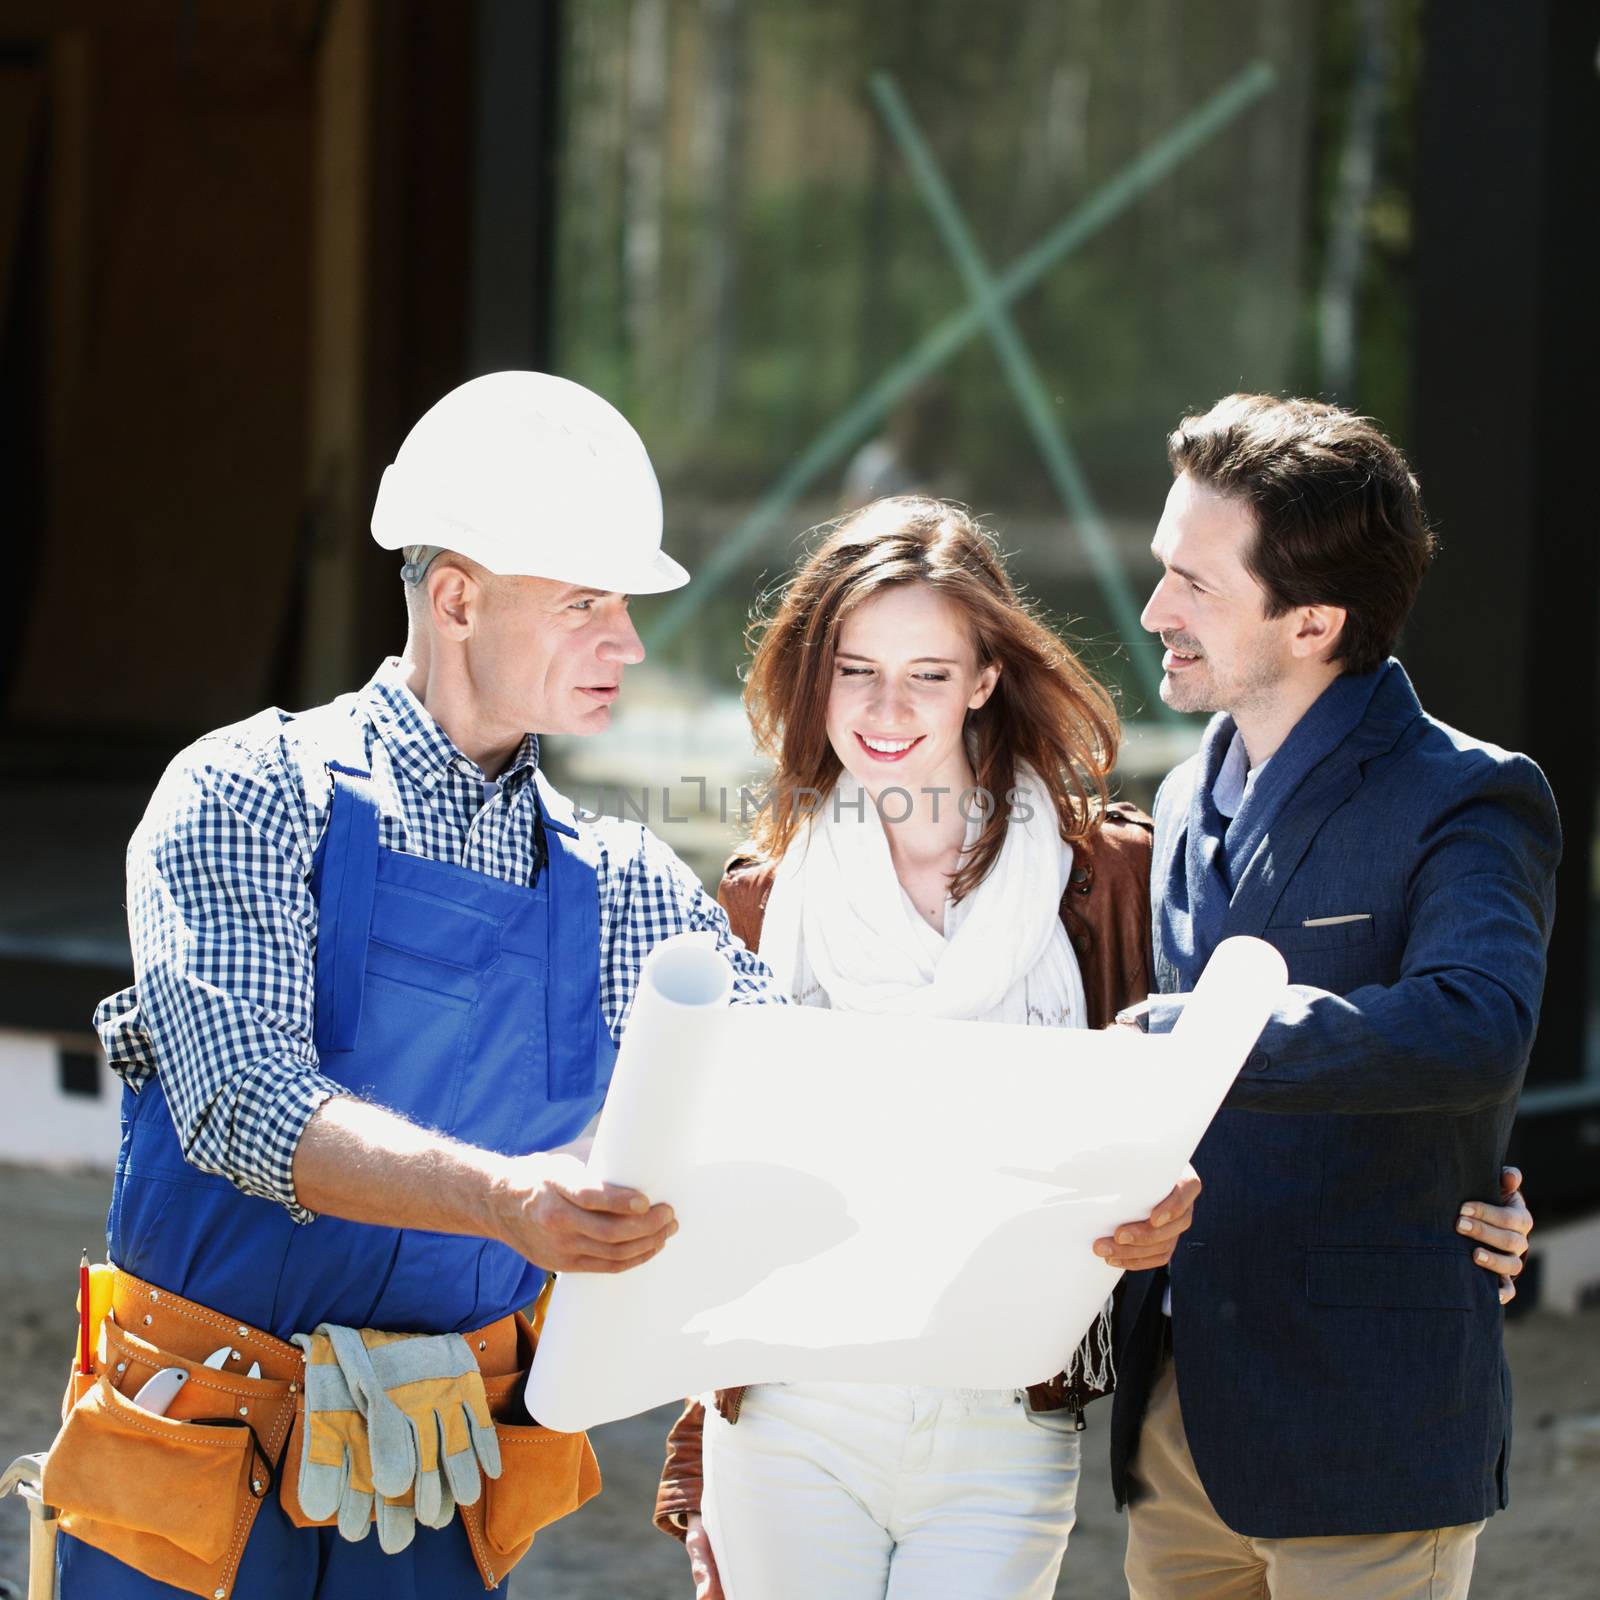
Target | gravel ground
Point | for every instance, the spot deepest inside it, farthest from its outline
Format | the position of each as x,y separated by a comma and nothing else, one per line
1546,1546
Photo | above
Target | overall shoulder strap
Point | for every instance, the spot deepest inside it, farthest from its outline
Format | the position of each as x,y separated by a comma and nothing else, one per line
344,875
576,1032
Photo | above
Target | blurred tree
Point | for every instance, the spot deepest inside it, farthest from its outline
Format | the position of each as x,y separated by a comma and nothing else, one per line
742,253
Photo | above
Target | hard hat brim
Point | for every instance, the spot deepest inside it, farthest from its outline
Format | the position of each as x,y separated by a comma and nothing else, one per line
652,574
402,517
655,574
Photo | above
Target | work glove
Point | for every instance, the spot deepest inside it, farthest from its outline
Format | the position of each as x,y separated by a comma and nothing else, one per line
427,1416
336,1462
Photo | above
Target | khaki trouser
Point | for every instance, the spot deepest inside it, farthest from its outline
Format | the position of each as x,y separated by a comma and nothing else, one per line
1180,1549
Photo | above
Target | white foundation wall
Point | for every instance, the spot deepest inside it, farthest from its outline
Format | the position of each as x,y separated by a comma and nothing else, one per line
1569,1270
41,1125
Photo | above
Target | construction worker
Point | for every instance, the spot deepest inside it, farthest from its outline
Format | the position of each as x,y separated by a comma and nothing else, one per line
380,970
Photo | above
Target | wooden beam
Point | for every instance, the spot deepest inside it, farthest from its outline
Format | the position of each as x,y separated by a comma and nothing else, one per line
71,235
336,492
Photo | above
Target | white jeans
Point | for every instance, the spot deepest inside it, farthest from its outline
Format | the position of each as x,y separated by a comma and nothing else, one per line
860,1491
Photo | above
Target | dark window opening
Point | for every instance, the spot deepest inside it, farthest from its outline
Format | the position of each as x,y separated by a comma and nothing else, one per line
79,1073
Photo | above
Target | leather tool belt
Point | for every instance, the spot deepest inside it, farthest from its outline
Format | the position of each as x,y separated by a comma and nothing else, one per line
175,1496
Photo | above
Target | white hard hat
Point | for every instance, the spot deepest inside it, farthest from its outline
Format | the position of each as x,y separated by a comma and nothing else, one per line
530,475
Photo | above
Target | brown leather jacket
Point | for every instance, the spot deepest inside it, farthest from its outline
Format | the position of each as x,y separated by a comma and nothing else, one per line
1106,912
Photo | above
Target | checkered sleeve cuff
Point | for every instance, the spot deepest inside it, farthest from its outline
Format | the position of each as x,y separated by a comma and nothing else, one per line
271,1104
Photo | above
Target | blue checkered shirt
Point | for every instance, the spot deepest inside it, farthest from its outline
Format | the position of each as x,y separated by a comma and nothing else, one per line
224,926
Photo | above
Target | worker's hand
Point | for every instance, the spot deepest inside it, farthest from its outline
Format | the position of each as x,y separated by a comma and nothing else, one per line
1139,1246
702,1564
560,1219
1500,1232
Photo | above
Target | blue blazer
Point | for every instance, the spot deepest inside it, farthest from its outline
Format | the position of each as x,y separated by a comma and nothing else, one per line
1338,1354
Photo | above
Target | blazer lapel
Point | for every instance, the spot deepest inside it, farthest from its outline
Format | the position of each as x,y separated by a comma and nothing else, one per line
1324,789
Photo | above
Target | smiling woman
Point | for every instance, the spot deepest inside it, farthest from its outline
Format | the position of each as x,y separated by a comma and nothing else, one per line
897,630
955,753
907,668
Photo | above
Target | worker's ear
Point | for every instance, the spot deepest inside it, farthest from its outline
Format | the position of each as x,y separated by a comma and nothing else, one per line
452,599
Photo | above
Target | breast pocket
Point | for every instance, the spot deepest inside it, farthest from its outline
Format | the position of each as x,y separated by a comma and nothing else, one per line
1334,955
429,941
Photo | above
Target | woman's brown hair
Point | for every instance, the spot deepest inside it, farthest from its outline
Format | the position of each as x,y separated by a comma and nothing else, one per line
1046,710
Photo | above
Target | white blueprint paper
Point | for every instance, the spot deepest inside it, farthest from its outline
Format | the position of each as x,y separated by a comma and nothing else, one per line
867,1198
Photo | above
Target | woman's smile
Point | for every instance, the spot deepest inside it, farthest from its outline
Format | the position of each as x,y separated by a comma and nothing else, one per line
887,749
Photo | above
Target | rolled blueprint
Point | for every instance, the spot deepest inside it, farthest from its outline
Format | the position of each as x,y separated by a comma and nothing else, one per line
875,1199
1242,983
684,983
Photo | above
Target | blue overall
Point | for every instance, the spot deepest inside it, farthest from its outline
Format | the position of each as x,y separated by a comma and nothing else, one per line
464,1002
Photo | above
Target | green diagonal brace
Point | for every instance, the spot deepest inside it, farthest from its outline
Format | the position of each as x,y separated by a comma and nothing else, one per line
1066,472
861,418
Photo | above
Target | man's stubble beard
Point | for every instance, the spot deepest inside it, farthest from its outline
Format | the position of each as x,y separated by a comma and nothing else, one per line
1254,687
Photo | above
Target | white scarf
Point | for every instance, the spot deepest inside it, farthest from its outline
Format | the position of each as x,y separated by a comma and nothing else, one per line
839,921
840,931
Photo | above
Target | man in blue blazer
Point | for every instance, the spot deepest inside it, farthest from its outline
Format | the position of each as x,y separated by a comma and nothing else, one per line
1299,1412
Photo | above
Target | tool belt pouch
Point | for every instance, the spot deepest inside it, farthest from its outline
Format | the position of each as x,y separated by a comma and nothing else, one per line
173,1497
544,1475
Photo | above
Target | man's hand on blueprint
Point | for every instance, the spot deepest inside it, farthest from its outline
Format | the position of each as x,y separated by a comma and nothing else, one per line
550,1209
1139,1246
